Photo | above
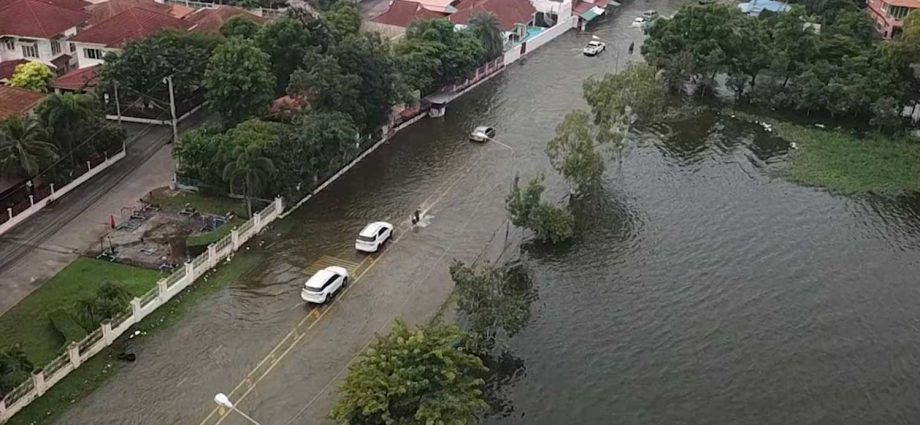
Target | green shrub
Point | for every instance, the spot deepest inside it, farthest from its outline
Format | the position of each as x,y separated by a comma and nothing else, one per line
67,326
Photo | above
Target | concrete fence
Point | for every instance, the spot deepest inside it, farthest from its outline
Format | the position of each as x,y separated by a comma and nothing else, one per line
79,352
41,199
531,44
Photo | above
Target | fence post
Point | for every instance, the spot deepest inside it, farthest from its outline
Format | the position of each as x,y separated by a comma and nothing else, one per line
212,256
89,166
107,335
136,308
279,205
257,222
235,237
31,200
189,272
161,290
38,381
10,212
73,352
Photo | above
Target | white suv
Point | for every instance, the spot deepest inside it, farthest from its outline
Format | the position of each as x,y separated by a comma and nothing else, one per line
373,236
324,284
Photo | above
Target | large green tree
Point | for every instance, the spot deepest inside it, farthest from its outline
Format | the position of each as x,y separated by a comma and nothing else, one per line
248,168
550,224
487,29
70,119
413,377
343,19
287,40
634,96
33,76
494,300
573,153
239,80
24,147
239,26
435,41
139,69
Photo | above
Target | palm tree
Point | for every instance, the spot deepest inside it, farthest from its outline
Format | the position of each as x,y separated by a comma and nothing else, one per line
488,30
251,169
110,300
23,146
65,116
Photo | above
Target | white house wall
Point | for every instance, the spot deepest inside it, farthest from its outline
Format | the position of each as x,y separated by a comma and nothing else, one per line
85,62
561,8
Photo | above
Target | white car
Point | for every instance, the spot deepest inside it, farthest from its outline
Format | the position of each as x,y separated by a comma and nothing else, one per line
594,47
373,236
650,15
640,22
482,134
324,284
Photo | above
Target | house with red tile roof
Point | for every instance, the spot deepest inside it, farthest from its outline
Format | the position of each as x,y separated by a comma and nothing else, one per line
210,19
889,15
111,34
510,13
16,101
79,80
36,30
402,12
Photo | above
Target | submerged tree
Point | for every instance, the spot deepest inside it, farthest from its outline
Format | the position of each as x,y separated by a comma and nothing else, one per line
414,377
618,101
495,300
573,153
550,223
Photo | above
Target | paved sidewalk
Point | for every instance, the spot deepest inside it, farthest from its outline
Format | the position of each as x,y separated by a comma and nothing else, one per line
38,248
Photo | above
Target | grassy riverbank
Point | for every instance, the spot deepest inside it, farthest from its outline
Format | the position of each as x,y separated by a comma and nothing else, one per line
97,370
850,164
28,323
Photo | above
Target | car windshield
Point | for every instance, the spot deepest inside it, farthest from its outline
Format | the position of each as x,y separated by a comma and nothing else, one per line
594,43
313,290
363,238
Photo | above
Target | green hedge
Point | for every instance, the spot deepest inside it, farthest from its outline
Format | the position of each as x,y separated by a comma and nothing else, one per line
199,243
65,324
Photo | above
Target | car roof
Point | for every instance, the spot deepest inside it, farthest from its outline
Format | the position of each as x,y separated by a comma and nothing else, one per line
372,228
482,128
319,278
594,42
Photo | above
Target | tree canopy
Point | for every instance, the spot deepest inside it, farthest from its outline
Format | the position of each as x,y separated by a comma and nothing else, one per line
239,81
487,29
433,54
525,208
33,76
407,377
239,26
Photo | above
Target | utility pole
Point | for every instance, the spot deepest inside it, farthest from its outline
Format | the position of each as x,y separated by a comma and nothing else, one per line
117,104
172,108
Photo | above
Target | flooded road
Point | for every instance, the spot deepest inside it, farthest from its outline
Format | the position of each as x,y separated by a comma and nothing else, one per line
702,287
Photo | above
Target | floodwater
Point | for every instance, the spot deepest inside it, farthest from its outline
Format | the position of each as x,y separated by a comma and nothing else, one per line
702,287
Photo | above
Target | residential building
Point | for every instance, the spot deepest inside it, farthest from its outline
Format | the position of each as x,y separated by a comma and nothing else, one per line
36,30
78,80
440,6
210,19
403,12
16,101
889,15
111,34
587,10
514,16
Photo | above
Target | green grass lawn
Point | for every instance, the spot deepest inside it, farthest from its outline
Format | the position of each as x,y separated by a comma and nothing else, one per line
209,204
27,323
849,164
97,370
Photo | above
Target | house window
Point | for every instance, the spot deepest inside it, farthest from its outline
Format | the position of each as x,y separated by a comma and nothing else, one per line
897,12
92,53
73,47
10,44
30,50
55,47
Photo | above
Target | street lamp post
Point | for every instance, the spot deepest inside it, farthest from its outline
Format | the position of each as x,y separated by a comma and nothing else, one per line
222,400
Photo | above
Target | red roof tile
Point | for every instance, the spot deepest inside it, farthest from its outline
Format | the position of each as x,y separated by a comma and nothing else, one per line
133,24
78,5
37,18
7,68
210,20
509,12
16,101
77,80
102,11
402,12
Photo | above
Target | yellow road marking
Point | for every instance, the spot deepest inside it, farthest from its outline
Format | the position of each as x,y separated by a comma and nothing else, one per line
320,312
